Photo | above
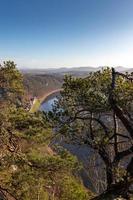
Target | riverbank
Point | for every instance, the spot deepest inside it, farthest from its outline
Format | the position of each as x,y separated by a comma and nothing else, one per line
38,101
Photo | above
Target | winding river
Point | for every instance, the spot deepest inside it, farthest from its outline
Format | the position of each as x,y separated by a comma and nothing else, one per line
49,101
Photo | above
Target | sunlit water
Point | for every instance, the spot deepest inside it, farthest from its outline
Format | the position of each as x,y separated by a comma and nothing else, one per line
48,105
81,151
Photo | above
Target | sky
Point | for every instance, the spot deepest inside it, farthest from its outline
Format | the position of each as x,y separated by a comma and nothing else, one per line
66,33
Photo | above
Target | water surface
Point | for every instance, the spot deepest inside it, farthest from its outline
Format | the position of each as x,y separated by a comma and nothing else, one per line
48,104
81,151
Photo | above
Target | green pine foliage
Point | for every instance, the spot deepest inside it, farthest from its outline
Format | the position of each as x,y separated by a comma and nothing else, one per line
29,168
97,111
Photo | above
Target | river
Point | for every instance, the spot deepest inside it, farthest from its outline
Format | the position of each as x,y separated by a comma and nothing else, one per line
49,101
48,104
81,151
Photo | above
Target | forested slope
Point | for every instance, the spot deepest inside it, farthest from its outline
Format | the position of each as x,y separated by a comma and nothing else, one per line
29,168
96,111
39,85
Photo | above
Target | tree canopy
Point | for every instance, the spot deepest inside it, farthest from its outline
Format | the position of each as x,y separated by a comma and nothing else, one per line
98,111
29,167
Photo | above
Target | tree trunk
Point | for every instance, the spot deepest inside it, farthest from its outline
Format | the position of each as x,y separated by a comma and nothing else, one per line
109,175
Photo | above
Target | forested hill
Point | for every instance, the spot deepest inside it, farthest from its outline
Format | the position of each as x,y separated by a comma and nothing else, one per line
42,81
30,168
40,84
96,112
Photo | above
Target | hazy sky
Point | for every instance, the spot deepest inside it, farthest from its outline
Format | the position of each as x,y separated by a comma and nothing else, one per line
61,33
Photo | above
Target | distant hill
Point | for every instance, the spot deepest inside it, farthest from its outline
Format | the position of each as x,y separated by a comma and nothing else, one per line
38,82
73,70
129,70
60,71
